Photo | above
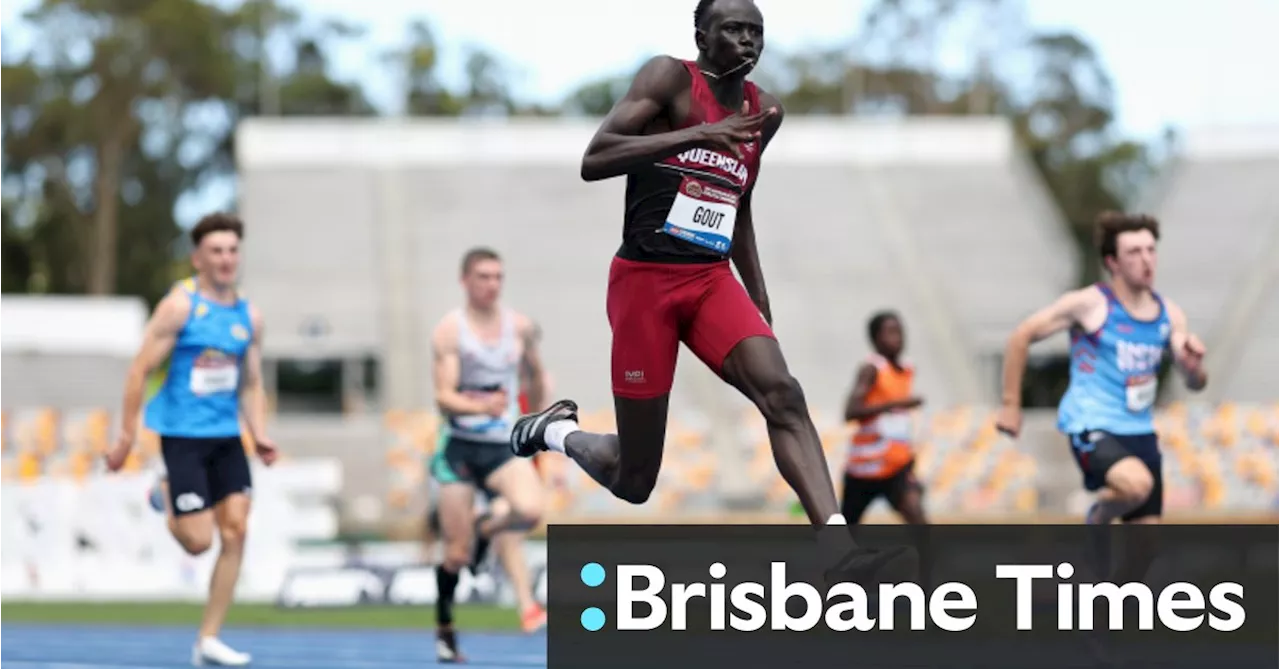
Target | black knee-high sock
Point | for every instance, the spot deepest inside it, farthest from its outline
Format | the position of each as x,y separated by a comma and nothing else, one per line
477,556
446,583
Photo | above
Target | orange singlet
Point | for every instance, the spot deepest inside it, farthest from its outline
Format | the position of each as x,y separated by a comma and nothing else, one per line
881,447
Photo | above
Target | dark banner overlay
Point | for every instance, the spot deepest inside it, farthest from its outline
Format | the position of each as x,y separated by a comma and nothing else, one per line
988,596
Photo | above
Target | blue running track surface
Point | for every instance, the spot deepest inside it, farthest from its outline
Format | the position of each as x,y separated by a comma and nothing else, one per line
101,647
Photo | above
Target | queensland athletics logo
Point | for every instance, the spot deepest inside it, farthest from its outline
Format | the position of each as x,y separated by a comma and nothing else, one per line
212,357
239,332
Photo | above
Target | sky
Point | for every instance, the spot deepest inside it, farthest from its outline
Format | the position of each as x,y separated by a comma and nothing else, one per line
1173,63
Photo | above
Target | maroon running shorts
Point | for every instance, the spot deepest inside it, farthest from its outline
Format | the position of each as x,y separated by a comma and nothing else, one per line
654,306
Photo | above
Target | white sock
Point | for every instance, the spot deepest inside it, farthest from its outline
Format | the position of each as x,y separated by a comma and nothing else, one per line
557,431
837,519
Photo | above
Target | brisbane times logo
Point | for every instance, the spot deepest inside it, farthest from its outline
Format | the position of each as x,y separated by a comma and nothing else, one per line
646,600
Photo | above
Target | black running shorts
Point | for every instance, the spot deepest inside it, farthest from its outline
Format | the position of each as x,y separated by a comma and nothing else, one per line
203,472
466,461
1096,452
860,493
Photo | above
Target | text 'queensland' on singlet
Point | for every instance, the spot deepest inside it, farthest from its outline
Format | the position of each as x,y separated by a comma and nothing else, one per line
684,208
881,446
1114,372
199,395
487,368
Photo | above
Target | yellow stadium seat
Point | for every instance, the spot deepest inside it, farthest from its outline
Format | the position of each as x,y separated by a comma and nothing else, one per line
779,491
133,463
669,501
394,419
47,431
29,466
1025,500
80,465
399,457
598,421
398,499
699,476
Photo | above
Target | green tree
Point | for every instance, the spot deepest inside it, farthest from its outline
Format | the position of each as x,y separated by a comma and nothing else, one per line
418,62
1067,128
596,98
125,107
115,67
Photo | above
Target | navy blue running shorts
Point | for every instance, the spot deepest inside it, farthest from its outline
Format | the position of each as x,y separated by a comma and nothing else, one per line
1097,451
203,472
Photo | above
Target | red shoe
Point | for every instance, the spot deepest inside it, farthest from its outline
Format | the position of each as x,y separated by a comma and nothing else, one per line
533,619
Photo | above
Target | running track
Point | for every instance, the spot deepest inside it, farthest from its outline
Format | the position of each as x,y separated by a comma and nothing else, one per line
106,647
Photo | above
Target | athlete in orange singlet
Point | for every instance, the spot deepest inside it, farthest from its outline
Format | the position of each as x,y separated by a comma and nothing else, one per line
881,457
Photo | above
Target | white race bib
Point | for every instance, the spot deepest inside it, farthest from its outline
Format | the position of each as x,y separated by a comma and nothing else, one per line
1140,392
894,426
865,468
214,379
703,215
479,423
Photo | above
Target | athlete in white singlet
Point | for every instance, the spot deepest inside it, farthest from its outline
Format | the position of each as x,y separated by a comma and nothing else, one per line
479,351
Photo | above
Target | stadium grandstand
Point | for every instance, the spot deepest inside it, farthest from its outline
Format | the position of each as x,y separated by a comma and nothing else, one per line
356,229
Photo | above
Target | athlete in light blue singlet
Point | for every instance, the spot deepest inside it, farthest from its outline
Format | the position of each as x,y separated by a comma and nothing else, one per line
199,396
208,340
1120,332
1114,372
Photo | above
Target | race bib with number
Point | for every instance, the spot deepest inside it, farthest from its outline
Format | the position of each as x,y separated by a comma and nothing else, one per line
894,426
1140,392
478,423
703,215
871,468
221,378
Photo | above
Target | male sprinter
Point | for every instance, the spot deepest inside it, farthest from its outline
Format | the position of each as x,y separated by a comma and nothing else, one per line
212,338
691,161
1120,330
881,460
532,379
479,350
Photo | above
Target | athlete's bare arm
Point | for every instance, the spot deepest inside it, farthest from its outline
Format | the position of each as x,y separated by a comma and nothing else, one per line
158,339
1070,309
531,362
253,396
447,370
745,254
856,408
1187,349
620,146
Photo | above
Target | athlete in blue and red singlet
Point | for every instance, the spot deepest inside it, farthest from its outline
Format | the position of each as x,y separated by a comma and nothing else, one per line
1120,332
689,136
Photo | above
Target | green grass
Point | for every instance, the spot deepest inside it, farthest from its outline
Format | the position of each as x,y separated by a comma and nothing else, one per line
256,615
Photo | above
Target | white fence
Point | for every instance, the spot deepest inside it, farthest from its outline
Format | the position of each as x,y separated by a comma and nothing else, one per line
101,540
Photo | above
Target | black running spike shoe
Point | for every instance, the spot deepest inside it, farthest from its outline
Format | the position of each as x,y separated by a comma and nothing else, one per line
865,565
529,434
